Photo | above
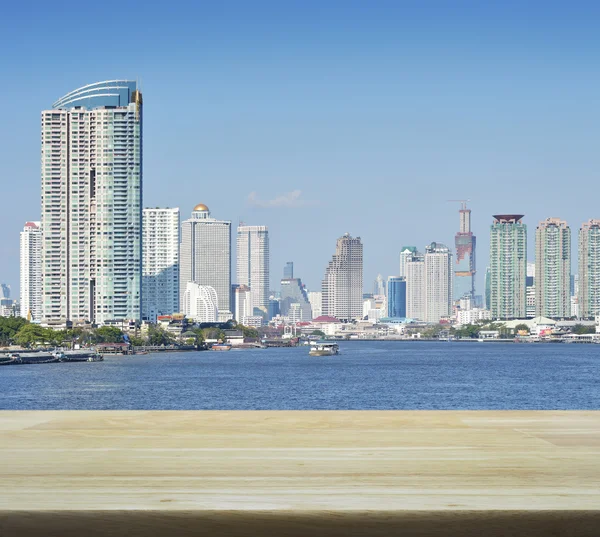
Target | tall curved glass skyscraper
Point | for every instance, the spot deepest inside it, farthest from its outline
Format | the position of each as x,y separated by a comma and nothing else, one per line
92,204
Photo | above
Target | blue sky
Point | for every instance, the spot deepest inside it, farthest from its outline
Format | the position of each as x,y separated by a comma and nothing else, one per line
319,118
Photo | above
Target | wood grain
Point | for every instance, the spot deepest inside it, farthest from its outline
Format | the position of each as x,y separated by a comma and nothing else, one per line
299,473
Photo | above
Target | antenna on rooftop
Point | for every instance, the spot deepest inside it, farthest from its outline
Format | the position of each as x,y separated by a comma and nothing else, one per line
463,204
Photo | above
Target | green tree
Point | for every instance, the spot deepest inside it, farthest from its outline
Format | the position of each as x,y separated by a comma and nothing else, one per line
521,326
30,335
319,333
108,334
157,337
581,329
248,331
467,331
9,326
213,333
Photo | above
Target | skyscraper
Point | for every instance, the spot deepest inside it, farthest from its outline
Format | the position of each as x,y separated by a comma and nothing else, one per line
438,282
205,256
406,253
589,269
293,291
464,268
396,297
553,269
508,266
379,286
160,263
288,270
253,263
4,288
31,271
92,205
415,287
342,285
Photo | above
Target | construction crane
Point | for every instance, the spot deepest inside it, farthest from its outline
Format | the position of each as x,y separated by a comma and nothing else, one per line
463,204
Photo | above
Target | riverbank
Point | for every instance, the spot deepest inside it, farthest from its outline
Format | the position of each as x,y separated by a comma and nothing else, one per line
300,473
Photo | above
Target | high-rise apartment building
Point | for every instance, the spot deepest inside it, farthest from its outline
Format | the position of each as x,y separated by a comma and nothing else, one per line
253,263
31,271
415,287
342,286
438,282
464,268
205,256
508,266
91,164
589,269
396,297
200,303
316,303
406,253
553,269
243,307
160,263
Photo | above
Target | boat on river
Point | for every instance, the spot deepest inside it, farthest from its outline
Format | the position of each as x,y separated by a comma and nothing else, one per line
324,348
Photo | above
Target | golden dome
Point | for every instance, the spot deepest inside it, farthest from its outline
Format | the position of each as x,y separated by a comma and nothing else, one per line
201,207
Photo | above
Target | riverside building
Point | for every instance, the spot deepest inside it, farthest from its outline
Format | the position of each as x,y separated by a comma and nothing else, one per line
342,286
31,271
396,297
253,263
589,269
415,287
91,171
205,257
438,282
508,266
160,263
553,269
464,268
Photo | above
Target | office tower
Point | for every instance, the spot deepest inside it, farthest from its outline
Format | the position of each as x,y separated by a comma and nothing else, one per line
253,263
406,253
342,286
160,263
316,303
200,303
415,287
589,269
464,268
205,256
378,286
92,205
273,309
4,288
508,266
243,307
31,271
553,269
288,270
293,291
396,297
438,282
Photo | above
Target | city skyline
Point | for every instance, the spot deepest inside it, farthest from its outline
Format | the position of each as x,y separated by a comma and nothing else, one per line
389,95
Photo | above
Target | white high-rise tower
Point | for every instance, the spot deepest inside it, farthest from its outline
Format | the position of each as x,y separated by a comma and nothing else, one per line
253,263
342,287
160,263
31,271
92,205
205,257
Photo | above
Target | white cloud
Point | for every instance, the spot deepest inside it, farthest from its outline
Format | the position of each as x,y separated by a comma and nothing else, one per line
289,199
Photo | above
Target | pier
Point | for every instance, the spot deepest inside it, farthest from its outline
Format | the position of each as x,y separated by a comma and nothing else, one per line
446,473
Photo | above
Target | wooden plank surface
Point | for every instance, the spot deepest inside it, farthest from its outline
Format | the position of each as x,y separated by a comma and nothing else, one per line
305,470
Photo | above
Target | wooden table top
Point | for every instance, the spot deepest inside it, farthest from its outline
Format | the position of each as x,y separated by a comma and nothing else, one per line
311,462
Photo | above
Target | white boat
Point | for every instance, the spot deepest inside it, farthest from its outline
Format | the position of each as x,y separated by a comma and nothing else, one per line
324,349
